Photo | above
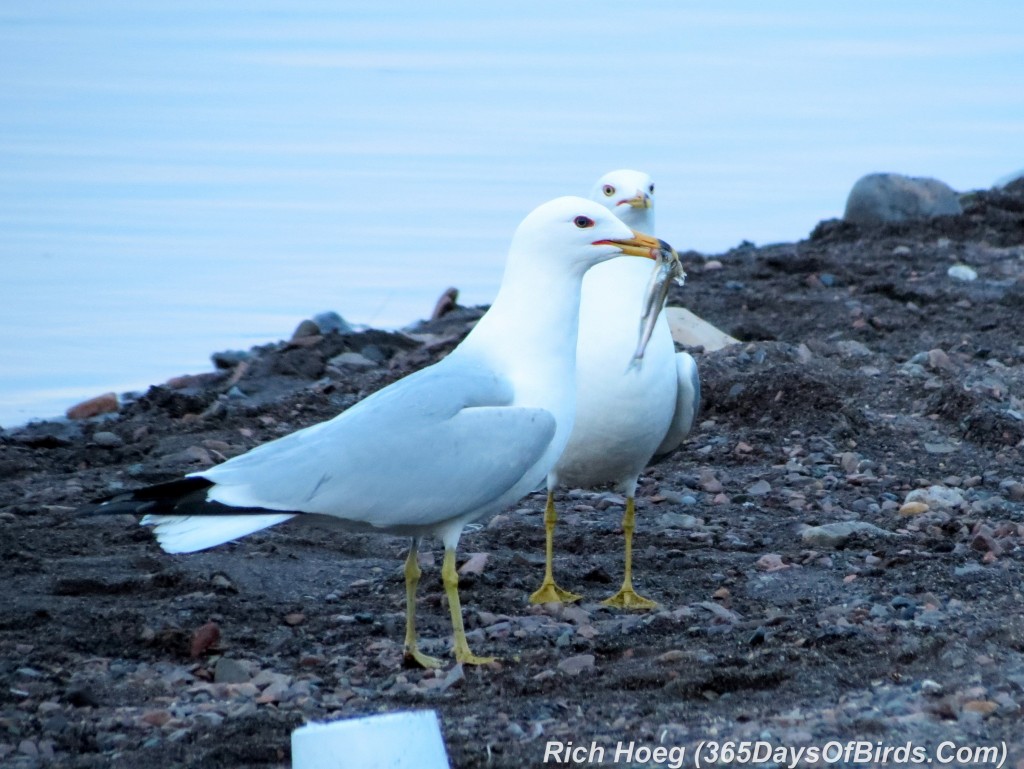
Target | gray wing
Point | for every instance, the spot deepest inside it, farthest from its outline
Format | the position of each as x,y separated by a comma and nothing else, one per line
687,403
438,444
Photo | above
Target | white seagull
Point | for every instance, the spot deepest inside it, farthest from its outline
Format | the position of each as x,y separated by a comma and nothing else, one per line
626,411
436,450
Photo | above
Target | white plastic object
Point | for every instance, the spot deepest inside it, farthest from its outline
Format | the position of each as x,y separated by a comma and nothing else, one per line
404,740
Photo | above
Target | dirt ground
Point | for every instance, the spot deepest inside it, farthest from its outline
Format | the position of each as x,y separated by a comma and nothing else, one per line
866,374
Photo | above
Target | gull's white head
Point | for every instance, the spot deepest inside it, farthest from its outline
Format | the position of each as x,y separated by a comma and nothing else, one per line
629,195
579,233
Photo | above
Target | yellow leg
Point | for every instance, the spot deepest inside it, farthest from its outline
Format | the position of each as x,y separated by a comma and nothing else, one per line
412,580
451,588
549,592
627,598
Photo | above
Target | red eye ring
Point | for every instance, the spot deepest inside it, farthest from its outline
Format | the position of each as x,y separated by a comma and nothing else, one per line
583,222
608,190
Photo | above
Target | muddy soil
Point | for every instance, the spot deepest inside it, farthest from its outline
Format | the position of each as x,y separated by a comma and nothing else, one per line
803,598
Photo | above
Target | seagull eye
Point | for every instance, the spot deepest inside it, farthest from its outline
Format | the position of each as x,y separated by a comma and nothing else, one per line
608,190
651,189
583,222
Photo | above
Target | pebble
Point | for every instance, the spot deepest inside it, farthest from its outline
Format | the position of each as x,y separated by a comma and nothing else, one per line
107,439
937,497
204,638
677,521
913,508
577,664
475,564
962,272
353,360
759,489
771,562
709,482
851,348
229,671
834,535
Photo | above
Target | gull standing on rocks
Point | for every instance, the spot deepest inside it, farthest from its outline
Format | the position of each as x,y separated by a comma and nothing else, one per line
626,411
436,450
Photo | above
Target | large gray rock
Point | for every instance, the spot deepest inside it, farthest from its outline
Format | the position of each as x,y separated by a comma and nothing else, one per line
882,198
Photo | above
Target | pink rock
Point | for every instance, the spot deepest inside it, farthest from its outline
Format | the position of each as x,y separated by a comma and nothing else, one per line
771,562
475,564
101,404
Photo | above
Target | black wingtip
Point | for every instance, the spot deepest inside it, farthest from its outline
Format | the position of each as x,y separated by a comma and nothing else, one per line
159,498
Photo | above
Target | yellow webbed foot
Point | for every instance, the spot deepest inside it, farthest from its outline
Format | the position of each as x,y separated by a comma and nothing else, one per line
549,592
468,658
415,657
627,598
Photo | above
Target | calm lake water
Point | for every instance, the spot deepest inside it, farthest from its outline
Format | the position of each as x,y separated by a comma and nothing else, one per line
179,178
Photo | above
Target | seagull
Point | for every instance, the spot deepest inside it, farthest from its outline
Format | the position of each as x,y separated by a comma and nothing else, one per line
627,411
453,442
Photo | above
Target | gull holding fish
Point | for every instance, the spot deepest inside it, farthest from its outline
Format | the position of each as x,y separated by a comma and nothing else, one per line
436,450
636,397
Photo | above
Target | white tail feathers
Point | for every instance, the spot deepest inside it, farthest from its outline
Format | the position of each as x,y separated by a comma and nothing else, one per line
190,533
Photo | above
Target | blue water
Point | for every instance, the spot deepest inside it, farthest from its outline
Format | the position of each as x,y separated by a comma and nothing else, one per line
179,178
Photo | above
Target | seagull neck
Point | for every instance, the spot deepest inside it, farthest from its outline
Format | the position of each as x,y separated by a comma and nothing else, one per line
533,322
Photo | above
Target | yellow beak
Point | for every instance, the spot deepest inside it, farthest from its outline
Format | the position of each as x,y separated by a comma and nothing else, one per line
640,200
638,245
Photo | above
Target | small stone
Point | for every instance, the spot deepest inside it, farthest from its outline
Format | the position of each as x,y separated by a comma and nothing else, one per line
849,461
294,618
984,707
101,404
677,521
771,562
229,671
156,717
577,664
833,535
709,482
939,359
713,264
221,582
107,439
851,348
351,360
962,272
1015,491
913,508
759,489
204,638
937,497
475,564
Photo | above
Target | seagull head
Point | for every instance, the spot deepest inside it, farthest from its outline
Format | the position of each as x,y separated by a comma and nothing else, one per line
579,232
629,195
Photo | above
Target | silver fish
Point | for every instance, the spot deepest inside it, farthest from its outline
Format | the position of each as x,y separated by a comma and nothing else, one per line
667,269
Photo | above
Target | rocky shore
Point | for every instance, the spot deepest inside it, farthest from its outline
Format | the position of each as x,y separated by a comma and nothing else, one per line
837,550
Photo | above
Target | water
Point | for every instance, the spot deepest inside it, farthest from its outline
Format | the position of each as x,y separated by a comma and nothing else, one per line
179,178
